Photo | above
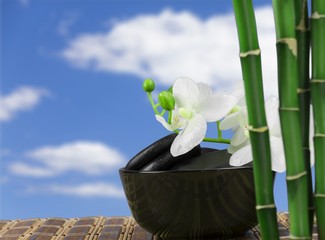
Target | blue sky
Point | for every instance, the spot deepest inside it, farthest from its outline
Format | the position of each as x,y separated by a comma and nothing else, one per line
74,111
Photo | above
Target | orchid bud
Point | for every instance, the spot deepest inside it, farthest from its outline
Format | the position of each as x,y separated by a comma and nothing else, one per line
148,85
166,100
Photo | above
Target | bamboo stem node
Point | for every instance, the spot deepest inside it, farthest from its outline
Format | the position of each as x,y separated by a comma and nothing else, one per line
259,129
317,16
267,206
296,237
291,42
290,109
319,135
302,28
297,176
320,195
255,52
317,81
302,23
303,90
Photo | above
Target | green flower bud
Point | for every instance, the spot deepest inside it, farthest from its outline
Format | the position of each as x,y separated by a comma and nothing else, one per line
170,89
148,85
166,100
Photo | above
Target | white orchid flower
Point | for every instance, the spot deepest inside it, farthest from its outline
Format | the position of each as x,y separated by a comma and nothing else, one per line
240,145
195,105
176,122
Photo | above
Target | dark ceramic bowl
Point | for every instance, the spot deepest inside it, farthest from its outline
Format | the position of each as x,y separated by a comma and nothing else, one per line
192,203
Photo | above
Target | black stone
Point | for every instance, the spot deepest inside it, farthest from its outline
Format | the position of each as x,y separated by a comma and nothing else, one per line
151,152
166,161
209,159
207,150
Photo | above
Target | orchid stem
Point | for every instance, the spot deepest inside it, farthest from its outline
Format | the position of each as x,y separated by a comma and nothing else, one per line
217,140
154,106
162,112
170,116
219,130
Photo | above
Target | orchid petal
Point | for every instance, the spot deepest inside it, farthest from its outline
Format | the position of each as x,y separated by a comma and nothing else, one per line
239,93
277,153
204,90
242,156
239,137
312,154
177,121
186,93
190,136
164,123
232,149
272,116
216,106
230,121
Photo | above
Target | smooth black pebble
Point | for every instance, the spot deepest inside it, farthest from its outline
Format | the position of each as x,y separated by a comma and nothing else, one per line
151,152
209,159
166,161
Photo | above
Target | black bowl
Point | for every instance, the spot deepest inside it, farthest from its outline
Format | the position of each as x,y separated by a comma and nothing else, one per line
192,203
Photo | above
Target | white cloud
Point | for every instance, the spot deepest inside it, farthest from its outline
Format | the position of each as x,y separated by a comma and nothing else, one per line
98,189
89,190
172,44
24,169
22,99
87,157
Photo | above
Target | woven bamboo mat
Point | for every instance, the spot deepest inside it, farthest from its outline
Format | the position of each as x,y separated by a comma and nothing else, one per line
99,228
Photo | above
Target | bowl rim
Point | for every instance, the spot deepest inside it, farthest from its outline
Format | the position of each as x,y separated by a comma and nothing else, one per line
231,168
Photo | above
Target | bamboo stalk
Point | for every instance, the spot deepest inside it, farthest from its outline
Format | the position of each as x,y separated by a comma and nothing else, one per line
303,43
318,99
250,57
297,184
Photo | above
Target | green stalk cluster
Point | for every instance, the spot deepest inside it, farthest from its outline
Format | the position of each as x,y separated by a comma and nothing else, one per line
259,134
303,44
318,99
297,183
